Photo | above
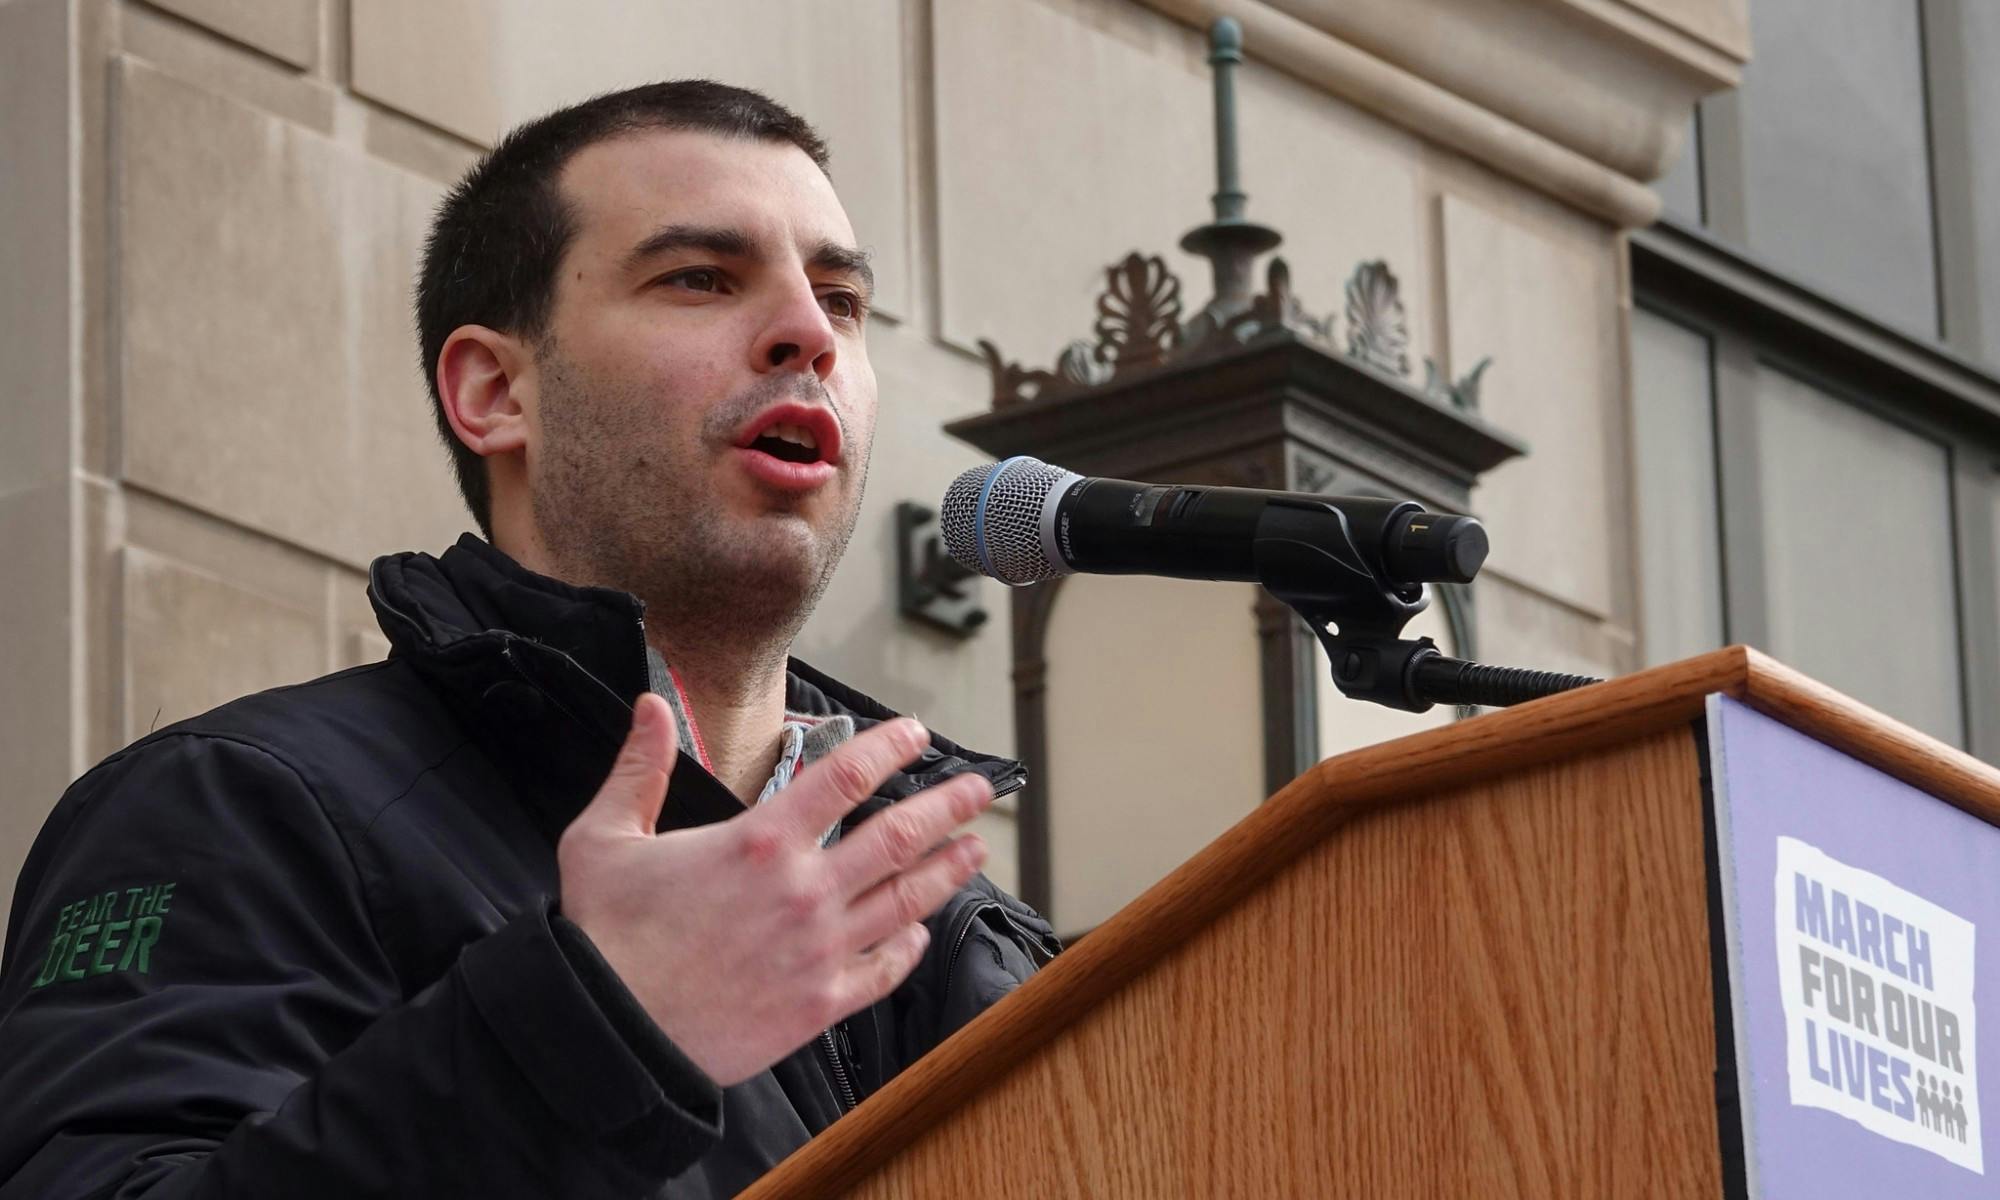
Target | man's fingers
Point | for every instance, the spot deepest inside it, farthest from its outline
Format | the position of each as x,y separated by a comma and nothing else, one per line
831,788
901,834
916,893
634,792
881,970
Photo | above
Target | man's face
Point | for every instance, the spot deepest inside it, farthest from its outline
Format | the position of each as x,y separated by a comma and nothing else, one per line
701,412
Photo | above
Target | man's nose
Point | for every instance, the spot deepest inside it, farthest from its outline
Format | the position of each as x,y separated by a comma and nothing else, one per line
796,336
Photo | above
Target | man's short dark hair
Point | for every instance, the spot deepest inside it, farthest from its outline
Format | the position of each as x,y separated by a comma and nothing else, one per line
499,235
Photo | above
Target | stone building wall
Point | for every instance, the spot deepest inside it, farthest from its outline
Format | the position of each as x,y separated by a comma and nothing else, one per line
214,418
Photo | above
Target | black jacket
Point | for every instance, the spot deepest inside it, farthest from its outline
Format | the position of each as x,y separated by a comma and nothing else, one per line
305,944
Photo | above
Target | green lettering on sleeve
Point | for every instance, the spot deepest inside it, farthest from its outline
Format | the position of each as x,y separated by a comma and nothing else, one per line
145,931
109,942
87,942
76,948
53,962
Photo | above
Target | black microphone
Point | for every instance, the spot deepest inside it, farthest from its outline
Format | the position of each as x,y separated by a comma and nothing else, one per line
1022,521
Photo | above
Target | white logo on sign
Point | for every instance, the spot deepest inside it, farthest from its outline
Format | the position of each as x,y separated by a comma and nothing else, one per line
1877,986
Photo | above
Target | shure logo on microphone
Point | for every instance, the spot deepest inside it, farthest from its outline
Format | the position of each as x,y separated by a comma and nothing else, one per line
1063,536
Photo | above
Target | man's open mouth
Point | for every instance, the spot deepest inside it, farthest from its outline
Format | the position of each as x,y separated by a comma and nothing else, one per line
793,443
794,433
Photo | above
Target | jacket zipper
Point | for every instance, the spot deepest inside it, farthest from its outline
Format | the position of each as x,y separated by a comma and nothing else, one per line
844,1095
958,941
1028,937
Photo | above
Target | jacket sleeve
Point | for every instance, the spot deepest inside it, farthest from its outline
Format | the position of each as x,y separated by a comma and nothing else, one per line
194,1003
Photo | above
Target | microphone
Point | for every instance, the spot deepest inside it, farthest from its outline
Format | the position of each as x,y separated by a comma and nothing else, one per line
1022,521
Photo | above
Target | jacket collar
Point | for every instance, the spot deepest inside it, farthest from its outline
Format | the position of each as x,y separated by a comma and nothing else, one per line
544,675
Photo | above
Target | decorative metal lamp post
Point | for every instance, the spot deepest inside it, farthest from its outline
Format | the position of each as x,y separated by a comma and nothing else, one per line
1250,392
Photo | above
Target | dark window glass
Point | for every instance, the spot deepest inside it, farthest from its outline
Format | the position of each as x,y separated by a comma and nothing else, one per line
1673,463
1857,537
1836,187
1680,187
1969,163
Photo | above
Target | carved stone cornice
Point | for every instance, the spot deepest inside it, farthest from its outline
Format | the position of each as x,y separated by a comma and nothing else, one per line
1582,99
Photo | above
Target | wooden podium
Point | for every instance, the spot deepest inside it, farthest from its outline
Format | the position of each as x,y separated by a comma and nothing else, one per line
1476,961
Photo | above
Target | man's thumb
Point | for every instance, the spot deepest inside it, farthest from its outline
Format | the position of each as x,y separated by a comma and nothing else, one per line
636,789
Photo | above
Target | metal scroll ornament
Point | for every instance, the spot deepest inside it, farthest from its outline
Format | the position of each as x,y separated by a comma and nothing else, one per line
1139,327
1463,395
1138,313
1378,334
1278,308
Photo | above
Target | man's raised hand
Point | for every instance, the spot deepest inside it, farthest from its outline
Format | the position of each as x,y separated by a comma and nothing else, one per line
744,938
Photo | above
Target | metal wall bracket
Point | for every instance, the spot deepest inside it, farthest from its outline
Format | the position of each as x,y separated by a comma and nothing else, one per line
930,586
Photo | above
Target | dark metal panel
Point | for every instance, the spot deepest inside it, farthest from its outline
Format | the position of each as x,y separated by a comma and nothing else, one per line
1291,704
1975,490
1947,76
1746,609
1722,173
1030,610
1698,279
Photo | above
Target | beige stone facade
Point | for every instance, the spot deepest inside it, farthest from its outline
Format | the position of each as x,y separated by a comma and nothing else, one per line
210,212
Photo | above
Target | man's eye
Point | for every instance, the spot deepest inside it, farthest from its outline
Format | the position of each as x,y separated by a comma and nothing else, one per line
700,279
844,305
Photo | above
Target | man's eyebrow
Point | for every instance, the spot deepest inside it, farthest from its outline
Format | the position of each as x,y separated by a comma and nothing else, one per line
730,242
847,260
828,256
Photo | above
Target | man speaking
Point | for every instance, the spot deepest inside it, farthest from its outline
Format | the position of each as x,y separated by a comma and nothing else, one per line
588,890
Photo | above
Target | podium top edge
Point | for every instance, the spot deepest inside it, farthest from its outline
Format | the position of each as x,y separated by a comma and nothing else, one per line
1646,702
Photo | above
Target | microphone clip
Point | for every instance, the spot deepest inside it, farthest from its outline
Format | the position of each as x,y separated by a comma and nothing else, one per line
1358,612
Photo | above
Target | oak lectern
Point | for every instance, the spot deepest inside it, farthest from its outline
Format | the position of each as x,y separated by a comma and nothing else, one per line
1491,959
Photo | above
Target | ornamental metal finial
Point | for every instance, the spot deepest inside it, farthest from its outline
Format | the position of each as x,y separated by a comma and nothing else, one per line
1225,54
1230,242
1139,325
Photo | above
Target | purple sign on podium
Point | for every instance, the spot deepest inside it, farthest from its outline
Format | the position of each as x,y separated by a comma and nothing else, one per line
1861,918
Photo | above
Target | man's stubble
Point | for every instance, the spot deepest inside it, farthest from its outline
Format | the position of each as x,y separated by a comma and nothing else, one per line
617,505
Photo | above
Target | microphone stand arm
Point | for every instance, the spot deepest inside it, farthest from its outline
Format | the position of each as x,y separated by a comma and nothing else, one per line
1413,675
1358,614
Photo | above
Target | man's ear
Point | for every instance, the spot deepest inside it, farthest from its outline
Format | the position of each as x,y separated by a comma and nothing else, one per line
483,376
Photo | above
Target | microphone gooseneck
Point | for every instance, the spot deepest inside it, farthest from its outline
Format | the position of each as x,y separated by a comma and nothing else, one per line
1444,680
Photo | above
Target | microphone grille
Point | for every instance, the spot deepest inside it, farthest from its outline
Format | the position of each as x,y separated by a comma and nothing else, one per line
1007,541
